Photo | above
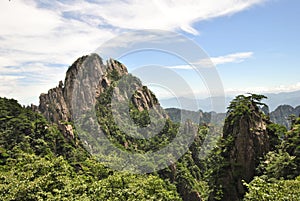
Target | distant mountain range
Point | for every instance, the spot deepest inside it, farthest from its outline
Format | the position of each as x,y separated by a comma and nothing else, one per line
281,115
274,100
284,98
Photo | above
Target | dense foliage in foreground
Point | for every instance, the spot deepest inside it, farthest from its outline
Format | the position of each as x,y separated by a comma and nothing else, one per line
39,163
279,171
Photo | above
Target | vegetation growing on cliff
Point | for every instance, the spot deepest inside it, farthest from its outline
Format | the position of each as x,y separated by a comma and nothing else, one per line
255,150
37,162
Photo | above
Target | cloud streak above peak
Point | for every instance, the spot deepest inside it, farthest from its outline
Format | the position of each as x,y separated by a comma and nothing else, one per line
145,14
64,30
57,32
216,61
232,58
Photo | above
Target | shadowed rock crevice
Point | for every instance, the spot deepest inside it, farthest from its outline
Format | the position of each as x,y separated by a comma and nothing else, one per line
246,139
85,80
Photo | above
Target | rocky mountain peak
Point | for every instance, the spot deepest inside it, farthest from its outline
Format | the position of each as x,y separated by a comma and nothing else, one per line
114,65
246,140
86,79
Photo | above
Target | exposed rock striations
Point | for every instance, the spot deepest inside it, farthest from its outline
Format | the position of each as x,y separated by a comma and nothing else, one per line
57,104
86,79
246,140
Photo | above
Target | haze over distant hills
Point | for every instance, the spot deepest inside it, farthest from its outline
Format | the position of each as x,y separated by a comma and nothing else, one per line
274,100
287,98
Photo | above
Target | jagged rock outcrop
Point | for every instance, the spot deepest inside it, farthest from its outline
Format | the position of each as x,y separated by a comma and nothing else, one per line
142,99
86,79
246,140
79,88
53,106
83,83
281,115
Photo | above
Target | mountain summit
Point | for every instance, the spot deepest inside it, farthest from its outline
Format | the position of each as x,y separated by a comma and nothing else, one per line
86,79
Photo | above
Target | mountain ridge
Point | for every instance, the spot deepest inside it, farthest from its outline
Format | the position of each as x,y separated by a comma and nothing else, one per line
274,100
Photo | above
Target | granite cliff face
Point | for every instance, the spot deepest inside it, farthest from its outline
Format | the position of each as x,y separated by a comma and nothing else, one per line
86,79
246,136
57,104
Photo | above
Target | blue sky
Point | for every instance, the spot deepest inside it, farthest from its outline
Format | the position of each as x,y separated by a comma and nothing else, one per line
271,31
254,44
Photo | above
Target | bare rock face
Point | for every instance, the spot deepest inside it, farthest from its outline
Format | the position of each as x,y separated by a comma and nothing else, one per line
54,108
82,80
247,141
114,65
251,142
53,105
144,99
83,83
86,79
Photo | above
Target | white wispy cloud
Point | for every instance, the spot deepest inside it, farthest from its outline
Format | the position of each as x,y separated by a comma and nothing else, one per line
156,14
232,58
42,33
202,92
216,61
265,89
25,83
